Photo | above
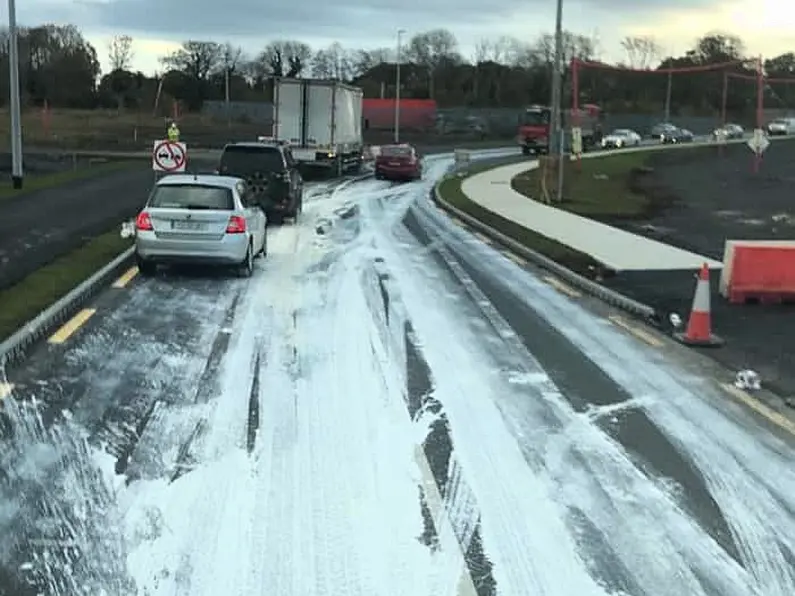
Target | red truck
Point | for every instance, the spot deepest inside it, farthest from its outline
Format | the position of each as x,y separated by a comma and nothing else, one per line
533,133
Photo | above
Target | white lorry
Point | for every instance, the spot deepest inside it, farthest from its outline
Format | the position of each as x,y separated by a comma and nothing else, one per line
322,122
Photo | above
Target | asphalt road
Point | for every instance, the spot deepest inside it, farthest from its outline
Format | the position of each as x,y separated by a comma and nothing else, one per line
559,455
37,227
719,197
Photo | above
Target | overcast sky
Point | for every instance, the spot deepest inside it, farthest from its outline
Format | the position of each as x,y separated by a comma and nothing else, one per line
157,26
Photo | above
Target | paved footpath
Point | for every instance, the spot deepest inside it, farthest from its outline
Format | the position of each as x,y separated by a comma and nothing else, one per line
614,248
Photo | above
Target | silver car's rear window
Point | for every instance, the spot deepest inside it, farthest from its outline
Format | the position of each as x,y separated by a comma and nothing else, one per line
192,196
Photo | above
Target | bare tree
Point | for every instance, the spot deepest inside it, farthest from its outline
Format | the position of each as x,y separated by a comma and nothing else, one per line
333,62
502,50
285,58
197,59
642,51
231,57
363,61
120,52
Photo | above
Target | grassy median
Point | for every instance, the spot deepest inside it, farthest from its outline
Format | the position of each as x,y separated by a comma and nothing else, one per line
25,300
617,186
82,172
450,191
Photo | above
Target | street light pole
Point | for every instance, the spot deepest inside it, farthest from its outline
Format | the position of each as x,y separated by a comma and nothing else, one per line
397,85
16,116
555,128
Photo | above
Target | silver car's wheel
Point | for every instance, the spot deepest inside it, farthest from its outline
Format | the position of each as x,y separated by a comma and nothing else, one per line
247,266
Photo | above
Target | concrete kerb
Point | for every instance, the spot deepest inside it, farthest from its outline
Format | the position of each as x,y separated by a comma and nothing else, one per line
14,348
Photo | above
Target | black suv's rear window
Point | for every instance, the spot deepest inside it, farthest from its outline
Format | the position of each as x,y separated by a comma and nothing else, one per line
248,160
192,196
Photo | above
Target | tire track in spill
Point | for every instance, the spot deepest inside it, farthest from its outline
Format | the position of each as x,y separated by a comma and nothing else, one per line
447,503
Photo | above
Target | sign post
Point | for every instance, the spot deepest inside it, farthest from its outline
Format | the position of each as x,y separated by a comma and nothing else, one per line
169,156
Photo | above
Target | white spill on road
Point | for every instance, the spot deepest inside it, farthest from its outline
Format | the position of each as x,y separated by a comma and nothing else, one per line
368,429
327,501
639,525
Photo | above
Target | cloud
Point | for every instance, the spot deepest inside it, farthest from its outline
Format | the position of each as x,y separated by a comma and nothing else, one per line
320,18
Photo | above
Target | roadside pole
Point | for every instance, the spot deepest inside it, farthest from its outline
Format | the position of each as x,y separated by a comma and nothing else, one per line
16,115
555,128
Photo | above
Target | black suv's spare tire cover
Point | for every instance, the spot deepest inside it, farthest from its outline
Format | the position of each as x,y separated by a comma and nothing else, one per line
258,183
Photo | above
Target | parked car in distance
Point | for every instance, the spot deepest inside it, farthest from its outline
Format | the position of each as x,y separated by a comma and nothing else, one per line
729,131
621,137
659,130
271,173
202,219
677,135
398,162
781,126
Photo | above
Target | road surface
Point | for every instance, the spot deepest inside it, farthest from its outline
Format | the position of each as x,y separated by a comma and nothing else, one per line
388,407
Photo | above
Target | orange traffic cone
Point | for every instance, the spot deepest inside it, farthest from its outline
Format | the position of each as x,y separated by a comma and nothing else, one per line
699,326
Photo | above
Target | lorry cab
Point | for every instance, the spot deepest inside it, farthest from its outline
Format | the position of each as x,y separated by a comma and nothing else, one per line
534,130
534,122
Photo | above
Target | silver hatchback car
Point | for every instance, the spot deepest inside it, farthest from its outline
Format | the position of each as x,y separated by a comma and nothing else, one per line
200,219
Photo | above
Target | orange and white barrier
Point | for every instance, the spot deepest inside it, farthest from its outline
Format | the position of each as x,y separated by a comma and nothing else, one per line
762,270
699,325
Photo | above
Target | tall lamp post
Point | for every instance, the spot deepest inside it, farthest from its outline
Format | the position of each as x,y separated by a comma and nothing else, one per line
555,128
397,84
16,117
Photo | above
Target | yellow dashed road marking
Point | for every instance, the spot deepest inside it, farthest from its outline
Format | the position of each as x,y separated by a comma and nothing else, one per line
75,323
6,389
126,278
561,287
636,331
771,415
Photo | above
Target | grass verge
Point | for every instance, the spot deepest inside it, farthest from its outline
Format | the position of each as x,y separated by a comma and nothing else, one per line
46,181
618,186
22,302
450,190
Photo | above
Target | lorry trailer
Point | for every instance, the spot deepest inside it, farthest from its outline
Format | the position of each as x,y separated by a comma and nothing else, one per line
321,120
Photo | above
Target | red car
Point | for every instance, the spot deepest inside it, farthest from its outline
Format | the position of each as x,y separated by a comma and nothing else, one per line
398,162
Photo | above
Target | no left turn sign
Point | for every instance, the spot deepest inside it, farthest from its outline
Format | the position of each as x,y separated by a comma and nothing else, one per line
169,156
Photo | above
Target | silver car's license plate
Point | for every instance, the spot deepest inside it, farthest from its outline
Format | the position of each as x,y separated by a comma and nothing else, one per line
394,163
187,225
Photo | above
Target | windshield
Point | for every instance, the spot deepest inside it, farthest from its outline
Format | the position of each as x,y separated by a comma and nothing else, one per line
535,118
247,160
621,132
192,196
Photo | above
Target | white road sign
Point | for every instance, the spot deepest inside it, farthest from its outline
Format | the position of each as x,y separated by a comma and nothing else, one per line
576,140
759,142
169,156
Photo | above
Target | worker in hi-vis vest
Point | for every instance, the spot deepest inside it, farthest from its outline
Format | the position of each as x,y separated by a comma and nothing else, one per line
173,132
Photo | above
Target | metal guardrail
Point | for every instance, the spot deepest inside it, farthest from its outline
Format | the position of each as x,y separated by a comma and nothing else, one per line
629,305
15,348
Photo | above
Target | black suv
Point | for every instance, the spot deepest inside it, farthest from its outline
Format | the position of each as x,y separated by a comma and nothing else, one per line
271,173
